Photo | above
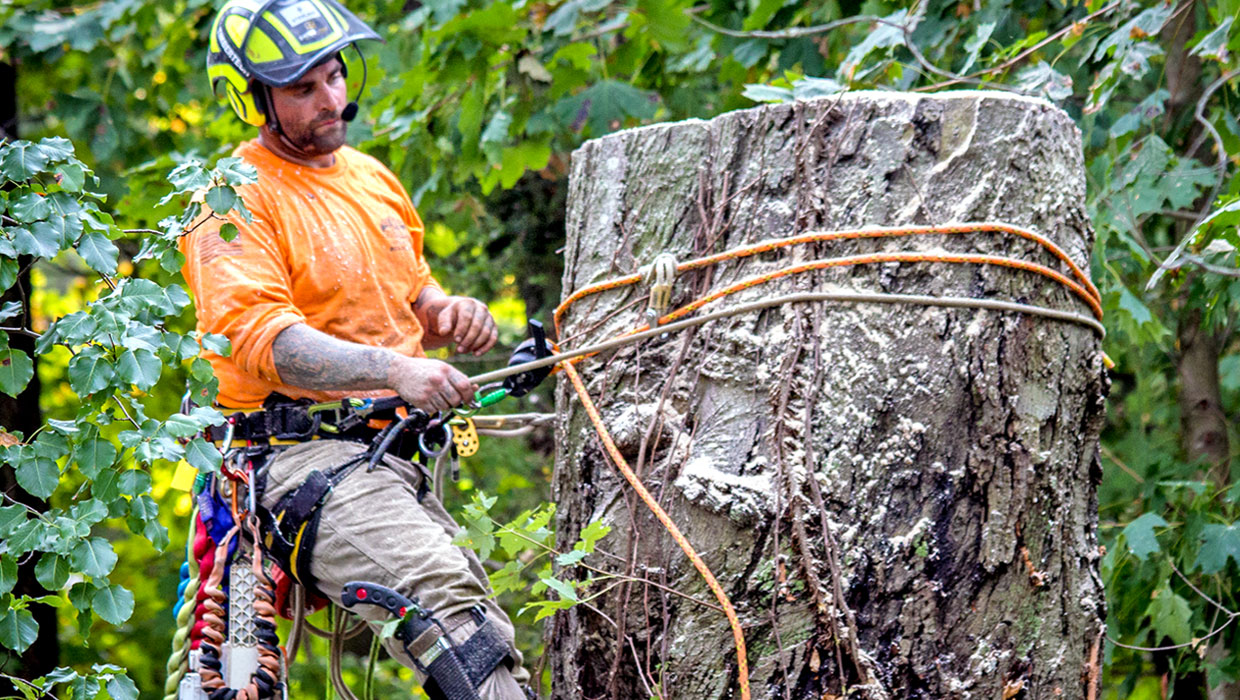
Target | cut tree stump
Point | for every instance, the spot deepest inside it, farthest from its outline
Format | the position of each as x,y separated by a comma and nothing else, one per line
894,496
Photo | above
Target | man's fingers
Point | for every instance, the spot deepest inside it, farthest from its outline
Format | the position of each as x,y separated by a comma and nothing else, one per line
487,338
479,329
444,322
468,325
463,387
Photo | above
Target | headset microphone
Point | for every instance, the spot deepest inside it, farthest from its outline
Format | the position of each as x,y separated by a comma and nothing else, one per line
349,113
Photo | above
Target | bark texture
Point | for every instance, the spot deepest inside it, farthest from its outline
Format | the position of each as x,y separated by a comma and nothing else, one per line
895,497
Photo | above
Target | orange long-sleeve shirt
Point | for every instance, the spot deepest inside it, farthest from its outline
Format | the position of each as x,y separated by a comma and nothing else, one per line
337,248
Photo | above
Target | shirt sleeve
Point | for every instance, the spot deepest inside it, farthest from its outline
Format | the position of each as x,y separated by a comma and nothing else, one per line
242,287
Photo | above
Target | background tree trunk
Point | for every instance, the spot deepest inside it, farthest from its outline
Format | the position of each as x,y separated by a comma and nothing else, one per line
896,496
22,414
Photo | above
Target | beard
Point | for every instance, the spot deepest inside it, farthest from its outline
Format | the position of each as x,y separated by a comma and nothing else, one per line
318,140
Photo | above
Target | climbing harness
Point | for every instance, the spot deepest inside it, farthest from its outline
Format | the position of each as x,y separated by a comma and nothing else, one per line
226,647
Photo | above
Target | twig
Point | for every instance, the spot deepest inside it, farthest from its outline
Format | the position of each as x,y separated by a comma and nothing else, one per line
1198,591
1221,168
1120,463
790,33
1023,54
22,331
1230,618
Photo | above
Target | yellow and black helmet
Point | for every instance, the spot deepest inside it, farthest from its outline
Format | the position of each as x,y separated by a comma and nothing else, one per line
275,42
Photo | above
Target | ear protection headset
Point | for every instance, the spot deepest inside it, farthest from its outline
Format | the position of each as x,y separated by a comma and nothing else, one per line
247,61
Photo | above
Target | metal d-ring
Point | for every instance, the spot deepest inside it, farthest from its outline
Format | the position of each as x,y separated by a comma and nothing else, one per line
447,440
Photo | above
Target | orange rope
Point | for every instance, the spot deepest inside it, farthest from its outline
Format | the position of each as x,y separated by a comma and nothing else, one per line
622,464
823,236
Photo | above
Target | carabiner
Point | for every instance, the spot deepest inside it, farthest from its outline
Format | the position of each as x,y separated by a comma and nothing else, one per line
443,447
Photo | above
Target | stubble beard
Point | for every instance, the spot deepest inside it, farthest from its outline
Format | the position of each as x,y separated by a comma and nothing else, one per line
320,140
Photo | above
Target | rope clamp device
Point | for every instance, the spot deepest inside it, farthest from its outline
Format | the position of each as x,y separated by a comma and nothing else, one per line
532,348
660,274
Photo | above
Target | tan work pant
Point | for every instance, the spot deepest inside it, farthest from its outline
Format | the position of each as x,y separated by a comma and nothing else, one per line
373,528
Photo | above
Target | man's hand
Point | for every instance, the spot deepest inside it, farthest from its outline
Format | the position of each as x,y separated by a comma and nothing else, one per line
462,320
430,385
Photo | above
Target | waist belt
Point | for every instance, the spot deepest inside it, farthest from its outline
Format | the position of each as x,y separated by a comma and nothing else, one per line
284,421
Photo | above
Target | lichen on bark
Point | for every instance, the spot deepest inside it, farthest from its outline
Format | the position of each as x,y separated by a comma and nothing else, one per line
895,497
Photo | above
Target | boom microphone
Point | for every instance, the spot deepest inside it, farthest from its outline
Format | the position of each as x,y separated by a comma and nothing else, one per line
349,113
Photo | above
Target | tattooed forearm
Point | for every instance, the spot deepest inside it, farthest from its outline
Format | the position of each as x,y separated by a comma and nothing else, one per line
312,359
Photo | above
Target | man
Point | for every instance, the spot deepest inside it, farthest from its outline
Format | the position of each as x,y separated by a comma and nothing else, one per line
326,294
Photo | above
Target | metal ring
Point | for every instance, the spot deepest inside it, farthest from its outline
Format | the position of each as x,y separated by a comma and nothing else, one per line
447,440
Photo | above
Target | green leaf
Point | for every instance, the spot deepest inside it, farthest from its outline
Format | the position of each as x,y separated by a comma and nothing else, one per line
8,272
570,558
93,456
181,426
38,475
18,630
217,344
94,557
203,455
565,590
189,176
106,485
885,35
134,482
16,369
229,231
8,574
221,198
1139,534
592,533
605,106
563,21
1218,543
56,148
98,252
90,371
236,171
52,571
121,688
112,603
1214,44
27,243
1171,616
30,207
140,368
72,176
10,518
767,93
22,160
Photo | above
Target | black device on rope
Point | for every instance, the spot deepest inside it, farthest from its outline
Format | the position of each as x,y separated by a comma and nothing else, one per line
532,348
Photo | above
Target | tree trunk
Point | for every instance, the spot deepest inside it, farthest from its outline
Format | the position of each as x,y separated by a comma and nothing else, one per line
900,497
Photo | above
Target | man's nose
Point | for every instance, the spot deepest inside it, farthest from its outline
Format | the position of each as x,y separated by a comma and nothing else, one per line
329,99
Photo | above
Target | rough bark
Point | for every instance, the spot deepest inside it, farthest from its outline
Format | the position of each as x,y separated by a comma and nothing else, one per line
893,494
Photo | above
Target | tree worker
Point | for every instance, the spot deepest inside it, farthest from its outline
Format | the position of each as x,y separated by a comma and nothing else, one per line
325,293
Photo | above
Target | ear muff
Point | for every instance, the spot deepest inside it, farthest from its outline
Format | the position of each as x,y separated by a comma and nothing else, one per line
246,104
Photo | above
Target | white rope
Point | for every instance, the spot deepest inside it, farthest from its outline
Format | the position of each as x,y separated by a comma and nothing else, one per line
837,297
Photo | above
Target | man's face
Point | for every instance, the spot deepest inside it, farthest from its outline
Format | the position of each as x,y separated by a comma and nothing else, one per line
309,109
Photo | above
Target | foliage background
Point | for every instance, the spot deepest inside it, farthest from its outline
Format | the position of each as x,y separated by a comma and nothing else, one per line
477,105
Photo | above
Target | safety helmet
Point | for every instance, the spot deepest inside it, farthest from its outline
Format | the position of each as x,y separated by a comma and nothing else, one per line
274,42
